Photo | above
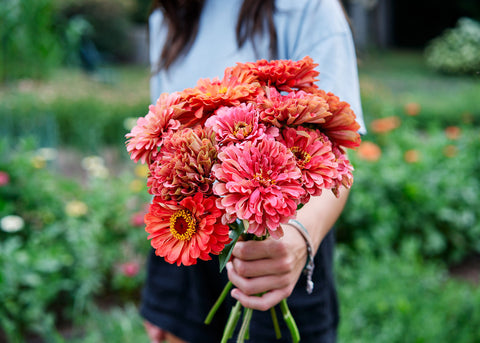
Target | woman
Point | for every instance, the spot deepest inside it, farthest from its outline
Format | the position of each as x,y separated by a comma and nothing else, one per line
190,40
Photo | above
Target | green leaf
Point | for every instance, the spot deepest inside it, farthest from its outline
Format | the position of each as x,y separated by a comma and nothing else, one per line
237,229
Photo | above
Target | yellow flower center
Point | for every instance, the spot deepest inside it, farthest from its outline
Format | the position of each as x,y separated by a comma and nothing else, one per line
182,225
242,128
302,156
263,179
223,90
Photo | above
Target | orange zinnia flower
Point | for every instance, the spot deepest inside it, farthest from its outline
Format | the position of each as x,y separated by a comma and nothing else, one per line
210,95
187,231
341,127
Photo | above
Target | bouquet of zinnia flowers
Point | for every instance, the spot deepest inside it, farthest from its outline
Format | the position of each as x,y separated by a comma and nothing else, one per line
237,156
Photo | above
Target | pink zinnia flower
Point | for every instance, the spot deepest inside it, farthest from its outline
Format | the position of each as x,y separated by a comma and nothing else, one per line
187,231
239,124
147,136
295,108
314,156
258,182
184,165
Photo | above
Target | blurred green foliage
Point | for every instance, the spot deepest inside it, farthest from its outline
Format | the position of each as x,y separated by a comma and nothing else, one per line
77,240
36,37
457,50
29,44
397,298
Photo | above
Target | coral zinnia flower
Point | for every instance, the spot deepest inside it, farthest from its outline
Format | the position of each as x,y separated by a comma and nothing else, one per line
341,127
186,231
314,156
293,109
238,124
285,75
184,166
210,95
147,136
258,182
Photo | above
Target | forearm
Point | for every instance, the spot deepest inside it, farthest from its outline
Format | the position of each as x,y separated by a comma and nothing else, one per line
320,214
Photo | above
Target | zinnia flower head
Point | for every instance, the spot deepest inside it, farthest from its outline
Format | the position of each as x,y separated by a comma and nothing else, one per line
210,95
315,158
344,177
184,166
239,124
147,136
285,75
341,127
259,182
293,109
186,231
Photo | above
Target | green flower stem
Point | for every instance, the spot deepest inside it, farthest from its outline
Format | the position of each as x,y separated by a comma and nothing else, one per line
273,313
245,325
292,326
219,301
232,322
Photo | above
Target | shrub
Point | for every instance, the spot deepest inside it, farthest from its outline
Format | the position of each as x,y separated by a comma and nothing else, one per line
457,50
399,298
419,185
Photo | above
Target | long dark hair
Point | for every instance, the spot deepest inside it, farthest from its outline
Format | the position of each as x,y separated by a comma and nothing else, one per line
183,16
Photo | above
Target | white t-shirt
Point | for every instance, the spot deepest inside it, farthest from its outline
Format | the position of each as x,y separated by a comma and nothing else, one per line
317,28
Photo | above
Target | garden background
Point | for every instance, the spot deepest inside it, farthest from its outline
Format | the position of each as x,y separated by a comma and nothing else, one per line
72,244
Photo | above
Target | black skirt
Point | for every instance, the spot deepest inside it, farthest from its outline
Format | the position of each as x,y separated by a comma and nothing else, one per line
178,299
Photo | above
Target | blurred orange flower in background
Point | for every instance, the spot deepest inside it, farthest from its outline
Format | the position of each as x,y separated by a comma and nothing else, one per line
411,156
453,132
384,125
412,108
450,150
369,151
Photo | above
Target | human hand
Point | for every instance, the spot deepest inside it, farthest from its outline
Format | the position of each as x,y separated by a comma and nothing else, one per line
270,268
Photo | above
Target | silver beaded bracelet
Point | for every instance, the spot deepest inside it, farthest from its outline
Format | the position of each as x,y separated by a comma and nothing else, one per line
309,266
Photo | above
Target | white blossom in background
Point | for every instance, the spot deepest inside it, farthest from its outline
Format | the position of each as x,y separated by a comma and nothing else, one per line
12,223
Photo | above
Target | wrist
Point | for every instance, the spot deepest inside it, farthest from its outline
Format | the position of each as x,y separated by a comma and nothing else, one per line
309,265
